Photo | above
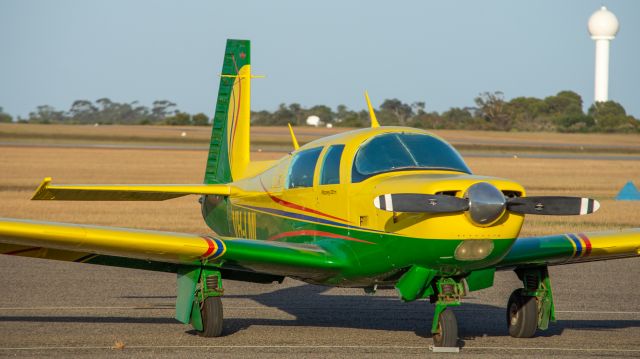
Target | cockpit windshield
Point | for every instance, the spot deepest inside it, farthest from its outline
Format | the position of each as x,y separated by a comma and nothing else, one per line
405,151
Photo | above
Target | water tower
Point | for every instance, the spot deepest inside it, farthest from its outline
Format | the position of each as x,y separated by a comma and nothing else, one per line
603,27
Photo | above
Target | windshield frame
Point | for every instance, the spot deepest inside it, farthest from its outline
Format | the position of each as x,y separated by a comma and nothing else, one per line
358,176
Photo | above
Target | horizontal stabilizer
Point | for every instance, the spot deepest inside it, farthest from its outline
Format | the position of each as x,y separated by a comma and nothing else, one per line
129,192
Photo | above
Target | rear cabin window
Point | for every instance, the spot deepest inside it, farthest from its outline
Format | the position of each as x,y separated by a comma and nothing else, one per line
330,172
302,167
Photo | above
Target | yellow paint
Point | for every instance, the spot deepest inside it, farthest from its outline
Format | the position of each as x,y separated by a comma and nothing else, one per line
293,137
147,245
614,243
129,192
238,122
244,224
372,113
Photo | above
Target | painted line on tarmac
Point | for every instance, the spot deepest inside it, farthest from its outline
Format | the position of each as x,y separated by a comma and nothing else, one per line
368,347
171,307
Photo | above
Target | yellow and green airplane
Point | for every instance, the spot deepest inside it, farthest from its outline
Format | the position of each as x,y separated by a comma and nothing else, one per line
369,208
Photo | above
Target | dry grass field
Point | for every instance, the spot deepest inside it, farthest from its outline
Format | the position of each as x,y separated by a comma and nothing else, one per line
22,169
277,138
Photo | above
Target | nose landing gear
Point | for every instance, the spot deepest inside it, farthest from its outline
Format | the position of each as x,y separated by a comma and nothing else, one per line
445,325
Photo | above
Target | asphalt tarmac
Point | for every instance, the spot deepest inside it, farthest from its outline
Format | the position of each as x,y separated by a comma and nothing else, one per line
59,309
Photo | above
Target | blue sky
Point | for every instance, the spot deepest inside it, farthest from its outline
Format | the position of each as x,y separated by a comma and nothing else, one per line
324,52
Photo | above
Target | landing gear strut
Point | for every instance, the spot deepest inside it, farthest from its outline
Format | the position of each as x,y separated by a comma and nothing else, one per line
445,325
208,303
531,308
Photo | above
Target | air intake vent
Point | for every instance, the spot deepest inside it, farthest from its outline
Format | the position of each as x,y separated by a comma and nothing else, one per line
512,194
448,193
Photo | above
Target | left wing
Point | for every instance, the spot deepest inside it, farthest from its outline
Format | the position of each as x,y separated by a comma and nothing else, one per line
572,248
73,242
129,192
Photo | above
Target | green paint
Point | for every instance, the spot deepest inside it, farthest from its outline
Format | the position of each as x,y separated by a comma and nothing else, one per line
236,55
188,277
415,283
539,250
480,279
351,261
450,292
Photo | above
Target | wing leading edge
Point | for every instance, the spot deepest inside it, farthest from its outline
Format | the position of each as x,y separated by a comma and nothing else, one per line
572,248
78,243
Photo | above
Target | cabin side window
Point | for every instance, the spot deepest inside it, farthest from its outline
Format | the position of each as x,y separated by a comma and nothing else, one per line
302,168
330,172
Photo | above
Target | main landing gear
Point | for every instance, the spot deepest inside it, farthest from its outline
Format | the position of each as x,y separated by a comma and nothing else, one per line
531,308
207,301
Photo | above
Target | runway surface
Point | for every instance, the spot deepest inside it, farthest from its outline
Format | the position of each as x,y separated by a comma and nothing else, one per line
60,309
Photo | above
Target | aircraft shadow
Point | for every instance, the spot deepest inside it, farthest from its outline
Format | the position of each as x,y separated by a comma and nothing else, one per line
309,305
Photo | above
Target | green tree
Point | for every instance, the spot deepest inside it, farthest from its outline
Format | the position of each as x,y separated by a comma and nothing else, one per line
47,114
395,111
200,119
564,103
5,117
492,108
610,116
83,111
178,119
162,109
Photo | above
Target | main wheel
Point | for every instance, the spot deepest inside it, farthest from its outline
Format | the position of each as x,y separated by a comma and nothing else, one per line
211,312
522,315
447,335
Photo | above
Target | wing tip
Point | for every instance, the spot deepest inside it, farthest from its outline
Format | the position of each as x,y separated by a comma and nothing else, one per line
42,190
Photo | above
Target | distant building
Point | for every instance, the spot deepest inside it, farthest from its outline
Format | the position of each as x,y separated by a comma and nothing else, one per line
314,120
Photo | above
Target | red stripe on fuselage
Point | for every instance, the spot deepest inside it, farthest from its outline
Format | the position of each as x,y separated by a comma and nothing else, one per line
587,244
282,202
309,232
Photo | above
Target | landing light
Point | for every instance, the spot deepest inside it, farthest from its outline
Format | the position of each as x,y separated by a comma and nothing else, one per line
473,250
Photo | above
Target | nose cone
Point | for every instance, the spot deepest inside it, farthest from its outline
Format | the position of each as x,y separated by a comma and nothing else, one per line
486,204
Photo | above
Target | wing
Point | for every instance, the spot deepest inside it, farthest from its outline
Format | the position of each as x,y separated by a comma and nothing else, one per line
162,250
129,192
572,248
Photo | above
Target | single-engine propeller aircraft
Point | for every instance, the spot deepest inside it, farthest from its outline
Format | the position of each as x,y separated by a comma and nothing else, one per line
368,208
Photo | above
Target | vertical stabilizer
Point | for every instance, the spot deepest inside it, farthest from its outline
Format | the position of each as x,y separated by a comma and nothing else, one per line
229,148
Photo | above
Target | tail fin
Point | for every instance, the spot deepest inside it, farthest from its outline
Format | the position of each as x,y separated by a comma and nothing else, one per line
229,147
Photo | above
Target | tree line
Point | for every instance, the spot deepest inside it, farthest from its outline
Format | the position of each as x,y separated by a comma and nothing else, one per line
560,113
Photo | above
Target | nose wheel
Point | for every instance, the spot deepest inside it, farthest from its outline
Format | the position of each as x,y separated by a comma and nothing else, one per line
447,334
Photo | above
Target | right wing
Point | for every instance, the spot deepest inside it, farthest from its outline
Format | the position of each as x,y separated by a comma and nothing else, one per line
129,192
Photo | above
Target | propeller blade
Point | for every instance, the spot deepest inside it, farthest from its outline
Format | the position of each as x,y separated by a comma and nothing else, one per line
552,205
420,203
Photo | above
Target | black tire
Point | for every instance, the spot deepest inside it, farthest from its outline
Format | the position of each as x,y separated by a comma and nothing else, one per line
447,335
212,317
522,315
